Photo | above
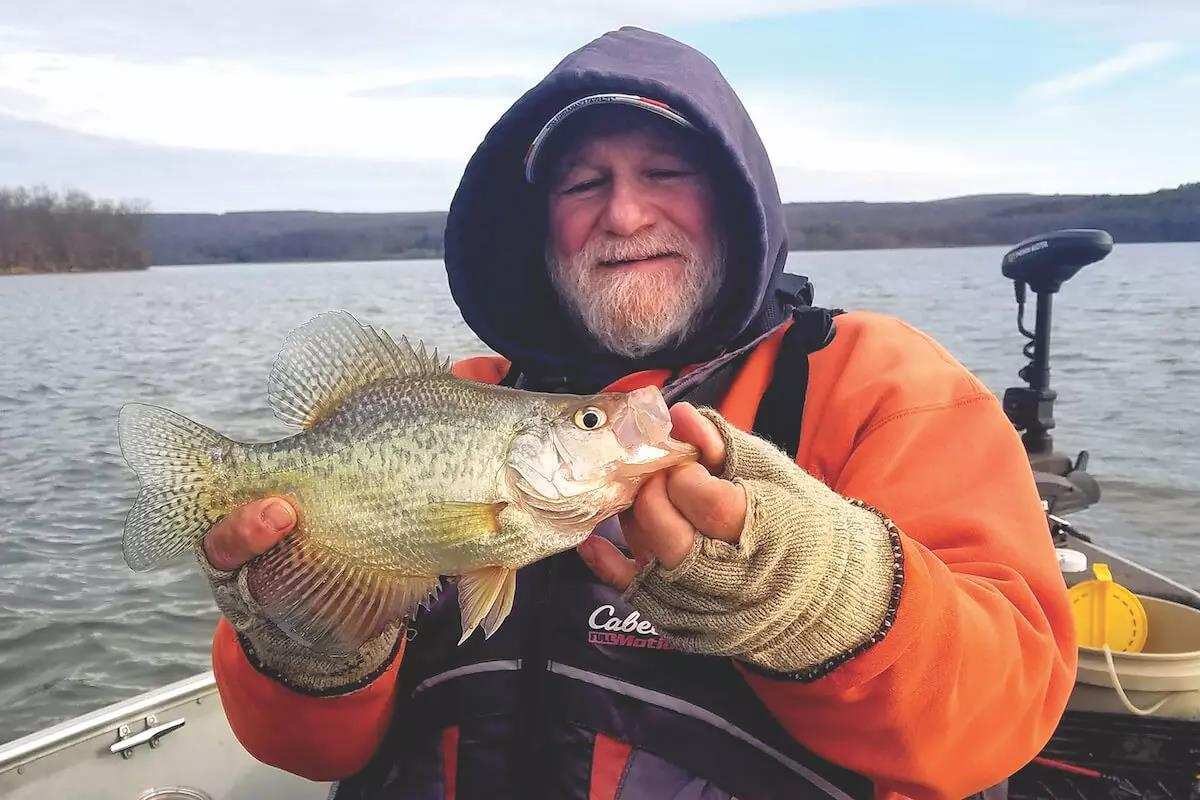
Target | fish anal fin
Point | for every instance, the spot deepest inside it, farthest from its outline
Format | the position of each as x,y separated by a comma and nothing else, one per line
502,606
485,596
326,360
328,602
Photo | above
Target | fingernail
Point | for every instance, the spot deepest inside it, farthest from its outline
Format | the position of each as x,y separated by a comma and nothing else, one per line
279,516
586,551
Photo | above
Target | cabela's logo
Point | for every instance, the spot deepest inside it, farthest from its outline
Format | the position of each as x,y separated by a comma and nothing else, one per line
632,631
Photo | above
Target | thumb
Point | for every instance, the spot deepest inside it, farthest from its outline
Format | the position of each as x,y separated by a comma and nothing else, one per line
689,425
607,562
248,531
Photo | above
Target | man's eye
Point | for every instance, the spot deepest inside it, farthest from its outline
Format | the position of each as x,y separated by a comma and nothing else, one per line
667,174
578,187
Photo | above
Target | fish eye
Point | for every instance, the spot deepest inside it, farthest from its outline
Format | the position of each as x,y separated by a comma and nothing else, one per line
590,418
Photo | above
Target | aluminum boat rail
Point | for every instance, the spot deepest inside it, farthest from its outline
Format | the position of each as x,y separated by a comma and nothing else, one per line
166,744
110,718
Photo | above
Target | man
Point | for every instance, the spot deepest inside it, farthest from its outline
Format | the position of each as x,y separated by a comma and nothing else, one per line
883,614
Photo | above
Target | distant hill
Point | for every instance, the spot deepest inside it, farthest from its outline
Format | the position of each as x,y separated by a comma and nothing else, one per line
292,236
1168,215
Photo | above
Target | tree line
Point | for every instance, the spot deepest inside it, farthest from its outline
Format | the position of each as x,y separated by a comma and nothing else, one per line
71,231
1164,216
45,232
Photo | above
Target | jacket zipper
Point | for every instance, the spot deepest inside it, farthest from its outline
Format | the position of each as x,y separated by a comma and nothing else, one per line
531,724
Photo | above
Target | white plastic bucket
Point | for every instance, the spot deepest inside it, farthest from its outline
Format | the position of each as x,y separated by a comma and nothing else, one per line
1170,661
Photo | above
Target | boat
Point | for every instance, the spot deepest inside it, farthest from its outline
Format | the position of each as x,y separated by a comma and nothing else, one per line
1105,746
174,743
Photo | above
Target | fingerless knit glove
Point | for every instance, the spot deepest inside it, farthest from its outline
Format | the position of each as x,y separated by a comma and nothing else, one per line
279,657
814,579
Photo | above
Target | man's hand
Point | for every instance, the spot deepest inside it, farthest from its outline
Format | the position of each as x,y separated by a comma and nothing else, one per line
250,531
673,507
247,532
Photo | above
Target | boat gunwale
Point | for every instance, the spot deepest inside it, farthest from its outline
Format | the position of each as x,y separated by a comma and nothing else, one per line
1159,587
46,742
40,744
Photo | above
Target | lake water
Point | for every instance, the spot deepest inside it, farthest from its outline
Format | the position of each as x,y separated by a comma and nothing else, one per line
78,630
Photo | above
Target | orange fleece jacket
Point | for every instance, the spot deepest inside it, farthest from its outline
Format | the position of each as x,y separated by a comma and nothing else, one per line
976,670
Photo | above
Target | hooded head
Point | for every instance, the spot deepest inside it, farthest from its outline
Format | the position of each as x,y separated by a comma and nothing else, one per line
497,229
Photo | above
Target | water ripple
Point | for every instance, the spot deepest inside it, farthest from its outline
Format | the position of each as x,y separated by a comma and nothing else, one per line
78,629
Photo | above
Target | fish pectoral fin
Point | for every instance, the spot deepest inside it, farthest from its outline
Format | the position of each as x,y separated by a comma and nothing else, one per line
454,521
329,358
328,602
485,597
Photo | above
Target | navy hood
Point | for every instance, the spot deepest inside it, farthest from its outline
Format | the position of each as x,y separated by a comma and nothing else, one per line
496,227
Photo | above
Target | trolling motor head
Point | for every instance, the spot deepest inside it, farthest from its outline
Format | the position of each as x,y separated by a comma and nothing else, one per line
1044,263
1048,261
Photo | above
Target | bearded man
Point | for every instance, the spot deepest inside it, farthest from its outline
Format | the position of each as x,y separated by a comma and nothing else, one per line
876,612
633,248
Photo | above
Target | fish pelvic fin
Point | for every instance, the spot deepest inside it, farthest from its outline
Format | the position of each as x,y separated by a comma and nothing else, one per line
485,598
327,601
173,457
329,358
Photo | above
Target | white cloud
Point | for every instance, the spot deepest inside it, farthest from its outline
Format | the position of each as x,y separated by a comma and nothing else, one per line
817,132
215,104
371,79
1132,59
1124,20
359,31
452,86
333,104
222,104
184,179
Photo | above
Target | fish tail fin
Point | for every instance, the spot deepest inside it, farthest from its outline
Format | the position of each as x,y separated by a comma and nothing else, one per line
176,506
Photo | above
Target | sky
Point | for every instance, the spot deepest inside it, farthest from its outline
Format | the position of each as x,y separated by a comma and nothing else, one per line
376,105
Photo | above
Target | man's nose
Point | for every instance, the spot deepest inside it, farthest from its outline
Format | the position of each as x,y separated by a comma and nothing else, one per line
628,209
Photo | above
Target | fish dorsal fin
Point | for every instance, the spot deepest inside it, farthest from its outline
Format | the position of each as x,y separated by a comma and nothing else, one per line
333,355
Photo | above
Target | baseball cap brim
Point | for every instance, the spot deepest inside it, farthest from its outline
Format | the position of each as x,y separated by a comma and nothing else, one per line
538,146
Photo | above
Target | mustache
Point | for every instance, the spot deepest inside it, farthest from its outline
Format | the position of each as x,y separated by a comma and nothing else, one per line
636,248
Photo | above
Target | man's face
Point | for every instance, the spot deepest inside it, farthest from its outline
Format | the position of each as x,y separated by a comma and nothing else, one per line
634,245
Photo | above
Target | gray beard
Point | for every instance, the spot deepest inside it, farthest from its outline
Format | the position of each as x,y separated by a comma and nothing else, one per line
635,314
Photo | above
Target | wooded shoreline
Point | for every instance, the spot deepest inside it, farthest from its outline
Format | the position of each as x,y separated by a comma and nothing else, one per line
44,232
257,236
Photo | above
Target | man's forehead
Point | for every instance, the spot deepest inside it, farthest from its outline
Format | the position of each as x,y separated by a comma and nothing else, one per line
647,138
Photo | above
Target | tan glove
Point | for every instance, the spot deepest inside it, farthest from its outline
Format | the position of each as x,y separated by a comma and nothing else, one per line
814,579
271,651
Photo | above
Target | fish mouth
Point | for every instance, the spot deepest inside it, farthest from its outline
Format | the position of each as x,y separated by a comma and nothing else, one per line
646,435
648,458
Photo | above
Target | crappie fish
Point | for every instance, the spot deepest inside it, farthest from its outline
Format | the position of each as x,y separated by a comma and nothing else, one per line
402,473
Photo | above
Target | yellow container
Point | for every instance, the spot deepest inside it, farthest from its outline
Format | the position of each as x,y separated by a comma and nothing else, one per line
1169,661
1107,613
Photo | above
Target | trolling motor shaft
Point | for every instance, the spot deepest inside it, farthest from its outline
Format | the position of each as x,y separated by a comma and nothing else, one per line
1031,407
1044,263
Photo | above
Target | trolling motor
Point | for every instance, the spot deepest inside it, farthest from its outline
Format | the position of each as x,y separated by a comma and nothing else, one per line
1044,263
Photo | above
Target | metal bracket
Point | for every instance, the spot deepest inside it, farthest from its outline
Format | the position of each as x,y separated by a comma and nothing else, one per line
127,739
